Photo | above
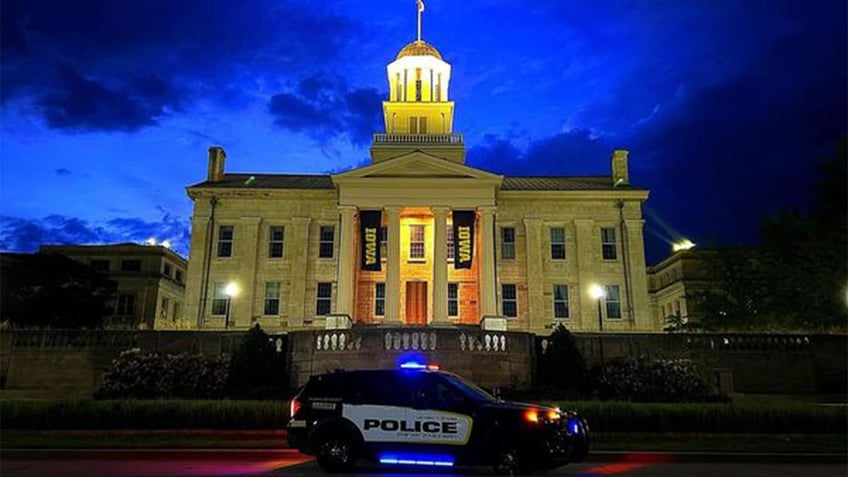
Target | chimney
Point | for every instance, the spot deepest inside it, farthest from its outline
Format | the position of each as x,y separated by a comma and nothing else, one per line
619,168
215,173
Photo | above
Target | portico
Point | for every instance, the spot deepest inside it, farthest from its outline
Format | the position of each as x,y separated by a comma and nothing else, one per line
422,192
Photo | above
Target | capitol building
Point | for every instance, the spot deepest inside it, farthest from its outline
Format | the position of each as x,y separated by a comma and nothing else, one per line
417,237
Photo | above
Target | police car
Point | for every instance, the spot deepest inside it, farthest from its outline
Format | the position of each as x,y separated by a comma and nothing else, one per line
418,415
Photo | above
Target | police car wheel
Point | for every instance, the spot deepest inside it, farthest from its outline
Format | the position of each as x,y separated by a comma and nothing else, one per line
579,450
336,454
509,462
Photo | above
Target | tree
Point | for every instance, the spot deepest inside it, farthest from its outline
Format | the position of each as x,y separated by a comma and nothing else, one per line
257,370
561,367
54,291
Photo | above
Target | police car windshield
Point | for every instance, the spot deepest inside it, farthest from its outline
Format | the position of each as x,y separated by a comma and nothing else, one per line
470,390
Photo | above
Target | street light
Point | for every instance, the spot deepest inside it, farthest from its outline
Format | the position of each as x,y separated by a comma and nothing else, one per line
597,292
230,290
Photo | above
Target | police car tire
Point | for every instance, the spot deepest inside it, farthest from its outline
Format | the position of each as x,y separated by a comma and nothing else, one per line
579,450
336,453
510,462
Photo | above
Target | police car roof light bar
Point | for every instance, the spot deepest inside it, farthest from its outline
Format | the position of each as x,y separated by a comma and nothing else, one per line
412,365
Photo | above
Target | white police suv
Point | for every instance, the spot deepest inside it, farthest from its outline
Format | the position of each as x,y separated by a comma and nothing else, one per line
419,416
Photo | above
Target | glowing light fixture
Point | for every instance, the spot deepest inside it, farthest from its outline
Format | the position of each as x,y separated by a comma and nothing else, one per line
231,289
597,292
531,415
684,244
417,460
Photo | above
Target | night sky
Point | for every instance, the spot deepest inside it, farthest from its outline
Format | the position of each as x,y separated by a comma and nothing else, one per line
108,107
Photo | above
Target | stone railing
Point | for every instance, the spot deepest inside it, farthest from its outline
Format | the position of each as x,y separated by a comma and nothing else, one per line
74,339
338,340
483,341
418,139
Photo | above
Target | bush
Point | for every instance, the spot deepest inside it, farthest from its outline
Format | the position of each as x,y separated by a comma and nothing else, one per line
641,380
257,370
153,376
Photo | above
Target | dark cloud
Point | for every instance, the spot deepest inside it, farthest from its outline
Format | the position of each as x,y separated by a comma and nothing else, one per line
89,63
577,152
324,107
62,172
26,235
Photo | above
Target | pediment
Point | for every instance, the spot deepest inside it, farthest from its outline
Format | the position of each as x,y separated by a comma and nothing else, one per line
416,164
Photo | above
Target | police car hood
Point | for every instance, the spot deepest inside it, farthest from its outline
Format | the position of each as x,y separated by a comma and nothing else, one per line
517,406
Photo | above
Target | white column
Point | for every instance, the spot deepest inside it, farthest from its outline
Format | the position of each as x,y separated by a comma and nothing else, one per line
393,266
488,295
440,266
347,261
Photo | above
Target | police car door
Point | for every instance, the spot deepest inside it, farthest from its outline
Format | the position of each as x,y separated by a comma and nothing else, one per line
439,415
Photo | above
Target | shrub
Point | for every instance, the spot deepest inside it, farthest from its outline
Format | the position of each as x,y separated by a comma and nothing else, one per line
641,380
153,376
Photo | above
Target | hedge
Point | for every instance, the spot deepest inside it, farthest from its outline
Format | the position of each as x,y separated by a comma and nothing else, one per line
619,417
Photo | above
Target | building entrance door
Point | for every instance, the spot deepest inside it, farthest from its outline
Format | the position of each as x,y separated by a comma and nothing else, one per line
416,303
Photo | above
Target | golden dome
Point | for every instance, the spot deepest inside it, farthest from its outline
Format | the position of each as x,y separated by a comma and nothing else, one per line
419,48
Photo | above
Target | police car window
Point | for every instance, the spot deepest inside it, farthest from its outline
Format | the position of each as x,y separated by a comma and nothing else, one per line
469,390
434,393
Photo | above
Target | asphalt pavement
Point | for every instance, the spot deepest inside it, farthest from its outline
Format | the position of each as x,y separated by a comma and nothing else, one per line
213,463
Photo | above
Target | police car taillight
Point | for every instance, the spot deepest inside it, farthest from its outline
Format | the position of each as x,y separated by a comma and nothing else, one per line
294,407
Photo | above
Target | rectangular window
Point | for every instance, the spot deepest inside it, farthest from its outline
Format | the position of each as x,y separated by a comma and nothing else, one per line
418,84
225,241
561,301
416,242
379,299
130,265
325,248
163,311
322,300
384,243
275,241
453,299
166,270
613,302
176,316
100,265
178,276
557,243
507,243
422,125
126,304
219,299
272,298
413,125
608,247
451,245
509,300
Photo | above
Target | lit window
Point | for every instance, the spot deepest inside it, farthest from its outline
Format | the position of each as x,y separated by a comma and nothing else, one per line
608,247
219,299
507,243
379,299
453,299
275,241
225,241
557,243
416,242
325,249
509,300
560,301
272,298
451,247
613,302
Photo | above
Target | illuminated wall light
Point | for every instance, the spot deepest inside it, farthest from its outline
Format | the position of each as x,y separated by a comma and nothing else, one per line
684,244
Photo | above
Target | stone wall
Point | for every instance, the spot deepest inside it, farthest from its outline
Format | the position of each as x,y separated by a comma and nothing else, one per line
61,364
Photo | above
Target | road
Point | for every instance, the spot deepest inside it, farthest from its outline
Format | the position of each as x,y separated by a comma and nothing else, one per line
213,463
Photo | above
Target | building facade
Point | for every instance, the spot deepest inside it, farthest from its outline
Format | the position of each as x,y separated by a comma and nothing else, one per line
150,282
418,237
676,281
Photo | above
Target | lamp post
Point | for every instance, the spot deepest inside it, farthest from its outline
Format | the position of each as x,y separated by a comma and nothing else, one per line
230,290
598,292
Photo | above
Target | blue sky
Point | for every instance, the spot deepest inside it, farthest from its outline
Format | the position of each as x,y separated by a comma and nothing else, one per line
107,108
